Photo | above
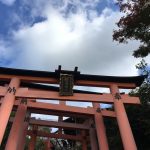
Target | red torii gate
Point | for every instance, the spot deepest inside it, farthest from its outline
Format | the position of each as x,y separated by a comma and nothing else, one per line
19,91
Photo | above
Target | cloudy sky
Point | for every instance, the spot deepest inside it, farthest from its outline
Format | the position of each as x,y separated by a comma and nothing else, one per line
42,34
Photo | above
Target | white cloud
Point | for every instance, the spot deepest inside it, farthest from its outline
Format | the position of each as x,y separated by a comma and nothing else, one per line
73,41
7,2
70,41
5,52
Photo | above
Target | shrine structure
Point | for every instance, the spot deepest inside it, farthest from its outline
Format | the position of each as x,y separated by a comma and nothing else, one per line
21,89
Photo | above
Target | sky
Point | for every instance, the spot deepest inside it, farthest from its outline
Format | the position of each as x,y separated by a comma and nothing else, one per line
42,34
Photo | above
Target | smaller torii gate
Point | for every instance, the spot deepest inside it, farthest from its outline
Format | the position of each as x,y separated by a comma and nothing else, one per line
20,90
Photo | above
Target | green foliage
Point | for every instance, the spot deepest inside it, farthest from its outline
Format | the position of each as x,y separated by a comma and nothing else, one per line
113,134
139,119
142,66
135,24
143,92
39,144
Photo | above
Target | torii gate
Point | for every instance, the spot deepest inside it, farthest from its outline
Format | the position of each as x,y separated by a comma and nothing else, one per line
20,89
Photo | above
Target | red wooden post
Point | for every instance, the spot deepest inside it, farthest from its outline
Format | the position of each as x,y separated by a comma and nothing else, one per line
122,119
33,138
24,130
60,118
100,128
84,142
22,140
7,104
32,142
93,139
48,144
17,126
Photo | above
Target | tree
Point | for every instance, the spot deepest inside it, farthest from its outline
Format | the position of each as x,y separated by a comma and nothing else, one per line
135,24
143,92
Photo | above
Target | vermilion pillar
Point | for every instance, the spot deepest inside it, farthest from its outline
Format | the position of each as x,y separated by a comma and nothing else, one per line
84,142
22,139
1,100
122,119
7,105
33,138
84,145
48,144
17,126
60,118
93,139
100,128
32,142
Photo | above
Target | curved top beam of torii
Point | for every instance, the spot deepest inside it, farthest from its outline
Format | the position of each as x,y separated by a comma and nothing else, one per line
80,79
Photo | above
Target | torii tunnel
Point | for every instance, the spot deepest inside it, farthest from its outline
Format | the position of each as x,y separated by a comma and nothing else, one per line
20,91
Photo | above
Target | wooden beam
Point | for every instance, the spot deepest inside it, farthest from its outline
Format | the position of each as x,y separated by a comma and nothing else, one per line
130,99
50,80
59,108
58,136
51,95
59,124
4,77
56,109
108,113
107,98
104,84
104,98
59,113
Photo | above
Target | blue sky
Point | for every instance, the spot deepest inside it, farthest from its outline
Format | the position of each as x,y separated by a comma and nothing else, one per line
42,34
22,11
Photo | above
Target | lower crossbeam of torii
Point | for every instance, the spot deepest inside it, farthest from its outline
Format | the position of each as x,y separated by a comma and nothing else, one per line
20,91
